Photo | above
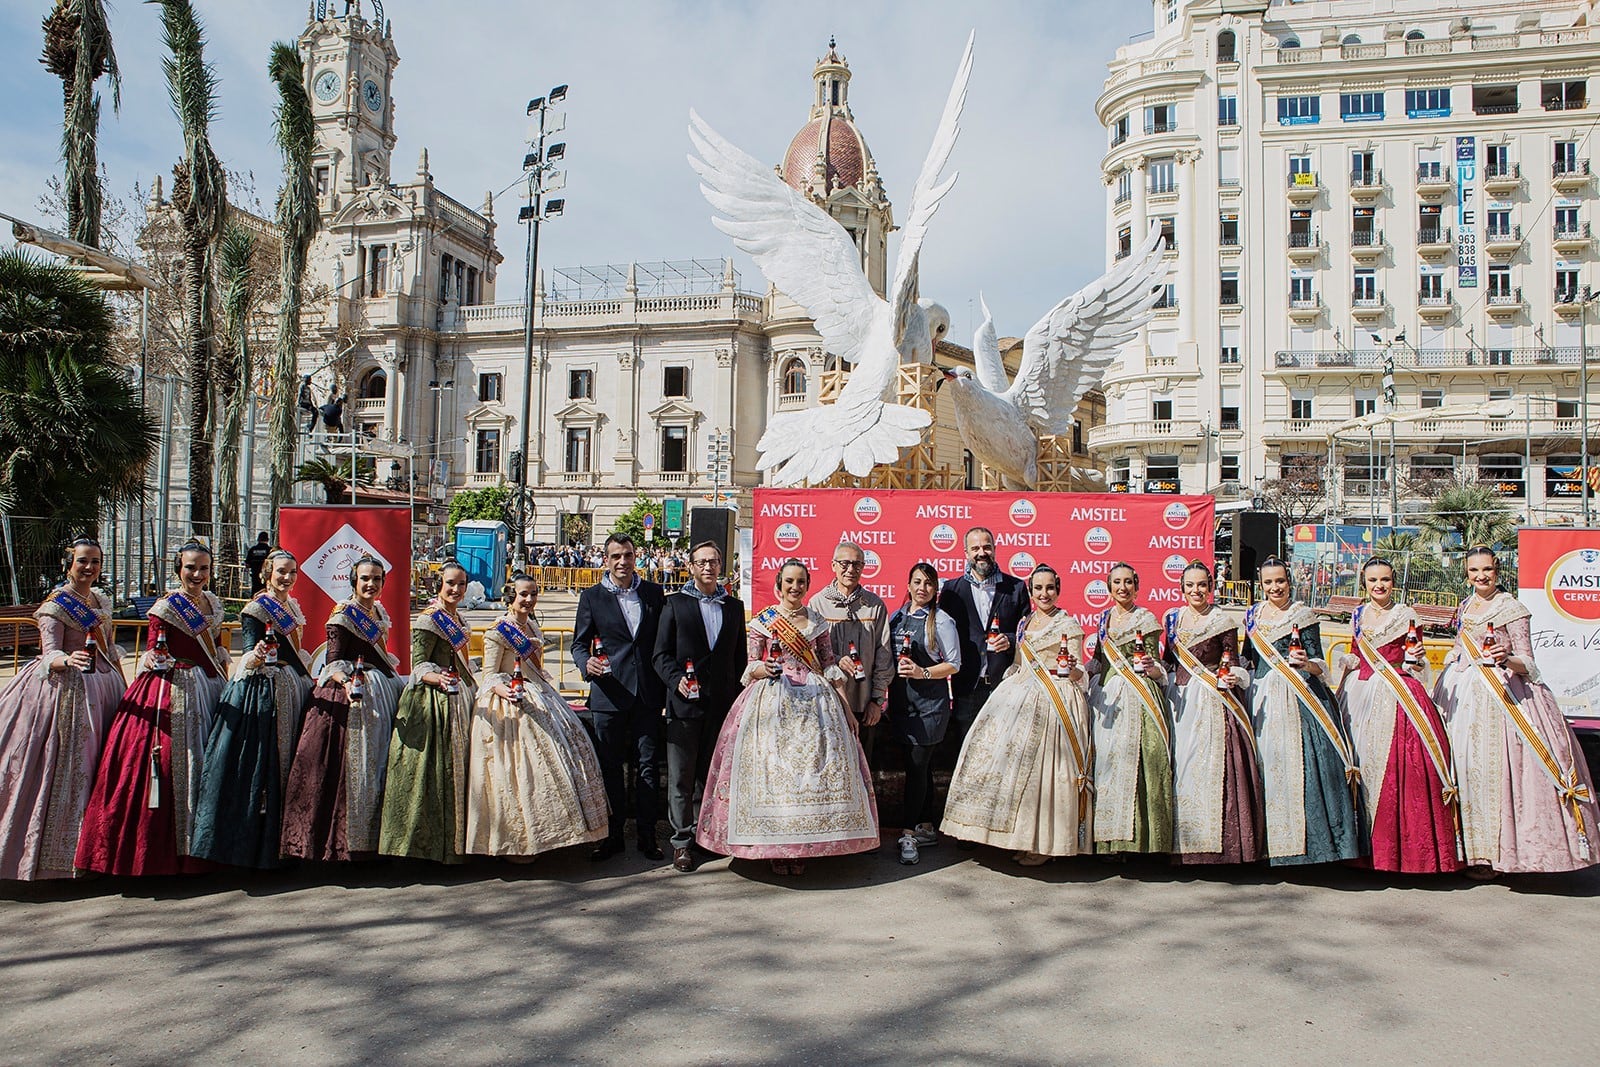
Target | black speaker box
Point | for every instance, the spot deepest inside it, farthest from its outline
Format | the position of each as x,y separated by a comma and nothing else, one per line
713,524
1256,536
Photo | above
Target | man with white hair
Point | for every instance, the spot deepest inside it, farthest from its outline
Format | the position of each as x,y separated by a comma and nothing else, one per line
858,624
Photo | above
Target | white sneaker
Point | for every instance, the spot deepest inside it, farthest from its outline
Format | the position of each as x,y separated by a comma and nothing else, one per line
926,835
908,849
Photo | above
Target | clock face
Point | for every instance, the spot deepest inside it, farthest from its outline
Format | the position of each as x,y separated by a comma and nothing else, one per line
372,95
327,86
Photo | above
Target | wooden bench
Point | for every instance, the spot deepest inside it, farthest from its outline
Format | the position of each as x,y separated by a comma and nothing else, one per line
1434,616
1339,607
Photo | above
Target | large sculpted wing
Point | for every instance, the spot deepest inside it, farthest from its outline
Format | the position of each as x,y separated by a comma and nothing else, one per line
799,248
987,363
1067,352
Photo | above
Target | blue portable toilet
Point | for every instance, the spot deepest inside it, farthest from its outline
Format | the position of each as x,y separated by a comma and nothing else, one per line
481,548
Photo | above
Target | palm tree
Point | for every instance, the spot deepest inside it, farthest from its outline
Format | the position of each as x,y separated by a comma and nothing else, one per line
298,219
1475,514
236,277
1416,558
334,477
72,431
77,49
199,193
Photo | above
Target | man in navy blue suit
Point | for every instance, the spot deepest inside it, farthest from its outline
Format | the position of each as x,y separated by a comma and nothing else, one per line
622,613
984,597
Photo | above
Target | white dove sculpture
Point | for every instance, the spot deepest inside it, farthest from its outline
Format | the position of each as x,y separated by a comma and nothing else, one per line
812,260
1063,356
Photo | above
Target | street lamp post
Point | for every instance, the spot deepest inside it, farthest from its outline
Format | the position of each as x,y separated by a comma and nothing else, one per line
437,388
539,166
1583,401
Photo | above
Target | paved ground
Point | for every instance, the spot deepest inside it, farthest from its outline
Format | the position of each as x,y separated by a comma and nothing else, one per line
965,958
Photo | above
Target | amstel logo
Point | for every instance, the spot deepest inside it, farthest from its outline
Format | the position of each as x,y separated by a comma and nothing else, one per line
787,536
870,564
942,537
1173,566
1023,513
868,511
1097,540
1097,594
1022,564
1176,516
1573,585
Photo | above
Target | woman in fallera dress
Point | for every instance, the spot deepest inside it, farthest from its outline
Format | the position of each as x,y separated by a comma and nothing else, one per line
1527,801
141,812
1132,725
533,782
1216,774
238,817
53,717
1024,780
1407,775
1308,772
335,789
788,780
424,801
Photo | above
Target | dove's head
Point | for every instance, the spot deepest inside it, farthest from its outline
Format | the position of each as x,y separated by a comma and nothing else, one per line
938,320
959,375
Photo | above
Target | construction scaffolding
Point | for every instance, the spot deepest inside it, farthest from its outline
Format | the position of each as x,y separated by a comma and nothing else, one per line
681,277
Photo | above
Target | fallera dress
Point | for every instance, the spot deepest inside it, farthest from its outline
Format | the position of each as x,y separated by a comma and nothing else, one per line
1024,780
141,811
1310,784
533,782
1527,801
1133,806
788,779
51,727
1216,773
1407,774
335,788
239,815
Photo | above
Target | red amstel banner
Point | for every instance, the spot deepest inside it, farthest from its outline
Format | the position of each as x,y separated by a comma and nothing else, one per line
327,540
1079,534
1558,581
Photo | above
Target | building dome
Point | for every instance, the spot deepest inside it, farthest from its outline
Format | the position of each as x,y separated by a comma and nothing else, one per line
829,152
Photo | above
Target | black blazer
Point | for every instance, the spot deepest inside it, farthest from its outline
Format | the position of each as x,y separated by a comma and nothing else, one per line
1010,603
682,637
633,683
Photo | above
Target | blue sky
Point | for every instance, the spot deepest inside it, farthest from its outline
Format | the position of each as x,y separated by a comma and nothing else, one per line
1024,223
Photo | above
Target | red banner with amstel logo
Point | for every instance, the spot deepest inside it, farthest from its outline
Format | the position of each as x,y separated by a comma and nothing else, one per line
1079,534
326,540
1558,581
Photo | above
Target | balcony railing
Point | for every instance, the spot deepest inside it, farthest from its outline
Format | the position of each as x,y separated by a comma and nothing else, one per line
1570,168
1570,296
1366,298
1164,126
1305,239
1123,196
1229,299
1504,234
1433,298
1432,174
1366,179
1506,297
1433,235
1228,240
1305,302
1166,303
1406,358
1366,238
1572,234
1118,138
1304,180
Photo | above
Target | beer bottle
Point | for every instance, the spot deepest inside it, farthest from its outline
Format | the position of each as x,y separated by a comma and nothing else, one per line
691,681
358,681
1063,659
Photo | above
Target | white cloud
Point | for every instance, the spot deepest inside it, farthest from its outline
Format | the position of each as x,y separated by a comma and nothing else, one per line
1024,223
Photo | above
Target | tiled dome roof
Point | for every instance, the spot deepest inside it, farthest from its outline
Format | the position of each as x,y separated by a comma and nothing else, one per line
846,153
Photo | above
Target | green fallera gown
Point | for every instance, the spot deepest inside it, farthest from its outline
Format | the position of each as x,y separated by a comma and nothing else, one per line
424,800
1134,808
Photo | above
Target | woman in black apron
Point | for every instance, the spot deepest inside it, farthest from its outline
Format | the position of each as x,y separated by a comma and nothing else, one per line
927,654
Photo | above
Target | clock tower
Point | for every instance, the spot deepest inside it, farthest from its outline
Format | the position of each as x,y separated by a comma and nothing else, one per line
349,63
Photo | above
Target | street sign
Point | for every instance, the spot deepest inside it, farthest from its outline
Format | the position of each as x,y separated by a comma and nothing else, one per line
672,509
649,527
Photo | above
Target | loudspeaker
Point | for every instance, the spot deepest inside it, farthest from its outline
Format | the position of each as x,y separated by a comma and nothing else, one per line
712,524
1256,536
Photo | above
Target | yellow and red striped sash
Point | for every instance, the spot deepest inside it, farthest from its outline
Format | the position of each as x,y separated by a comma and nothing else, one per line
1431,741
1569,786
1317,708
1081,754
1141,685
1199,670
792,639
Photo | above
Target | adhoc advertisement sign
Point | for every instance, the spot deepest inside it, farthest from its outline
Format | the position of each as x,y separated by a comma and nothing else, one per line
327,540
1558,581
1079,534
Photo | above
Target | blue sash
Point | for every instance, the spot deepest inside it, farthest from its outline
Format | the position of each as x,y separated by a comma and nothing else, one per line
80,612
192,617
278,613
365,625
520,642
1171,627
451,629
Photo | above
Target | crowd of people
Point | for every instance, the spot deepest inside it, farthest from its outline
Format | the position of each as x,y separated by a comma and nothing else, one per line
1186,735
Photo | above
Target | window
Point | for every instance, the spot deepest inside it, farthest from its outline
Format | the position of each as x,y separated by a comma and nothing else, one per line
1228,166
1567,290
1161,468
577,450
474,294
1229,354
1430,286
1427,103
1364,287
675,381
1172,11
488,452
1361,107
1431,398
675,448
1561,475
1366,402
1160,118
489,387
580,384
1414,35
1566,161
1362,472
1077,437
322,181
1119,131
1124,187
1168,298
1566,222
1429,466
1289,42
1362,233
1500,222
1494,99
1302,469
1228,468
1300,233
1163,175
1500,281
447,278
1227,111
1226,47
1301,291
1563,96
1229,294
1300,407
1351,38
1228,411
1124,241
377,272
1566,409
1503,473
1301,165
1169,231
1430,164
1161,410
1121,472
1497,161
1363,169
1428,229
794,378
375,385
1228,229
1299,110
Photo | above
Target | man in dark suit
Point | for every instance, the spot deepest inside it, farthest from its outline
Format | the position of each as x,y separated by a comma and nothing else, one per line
703,625
975,600
622,612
